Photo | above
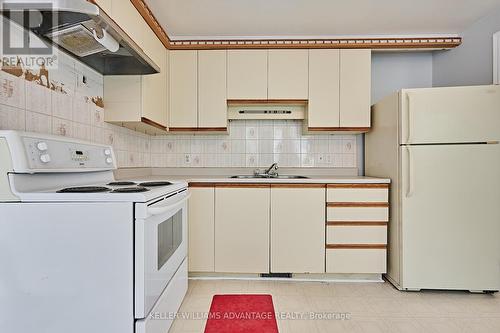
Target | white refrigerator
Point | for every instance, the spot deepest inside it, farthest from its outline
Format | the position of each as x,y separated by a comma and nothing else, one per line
440,148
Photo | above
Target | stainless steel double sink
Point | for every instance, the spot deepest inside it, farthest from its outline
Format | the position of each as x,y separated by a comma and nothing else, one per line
268,177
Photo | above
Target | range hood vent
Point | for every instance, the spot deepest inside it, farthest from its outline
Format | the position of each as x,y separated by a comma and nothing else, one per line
266,109
84,31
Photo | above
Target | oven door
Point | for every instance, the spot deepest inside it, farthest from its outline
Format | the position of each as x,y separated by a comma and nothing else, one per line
160,247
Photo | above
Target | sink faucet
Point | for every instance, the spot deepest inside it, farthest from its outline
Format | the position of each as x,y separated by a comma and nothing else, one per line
272,170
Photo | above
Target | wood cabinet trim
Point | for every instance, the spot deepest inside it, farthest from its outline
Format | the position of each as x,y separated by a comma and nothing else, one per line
197,129
242,185
301,185
356,246
152,22
200,184
356,223
153,123
340,43
357,204
365,185
446,42
338,129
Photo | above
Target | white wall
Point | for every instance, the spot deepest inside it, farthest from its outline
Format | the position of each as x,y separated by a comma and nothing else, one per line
394,71
472,62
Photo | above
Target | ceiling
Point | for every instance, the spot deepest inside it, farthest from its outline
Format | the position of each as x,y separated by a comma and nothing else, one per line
217,19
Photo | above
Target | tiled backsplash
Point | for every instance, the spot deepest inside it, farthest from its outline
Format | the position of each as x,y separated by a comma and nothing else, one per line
255,143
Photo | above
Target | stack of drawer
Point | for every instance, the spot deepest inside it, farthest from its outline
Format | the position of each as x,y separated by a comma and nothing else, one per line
356,228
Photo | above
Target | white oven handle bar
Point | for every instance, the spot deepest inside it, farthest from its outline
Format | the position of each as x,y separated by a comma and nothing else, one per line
161,209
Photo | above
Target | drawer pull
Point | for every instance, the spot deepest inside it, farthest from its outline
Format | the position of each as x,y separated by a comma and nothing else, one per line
357,204
356,223
356,246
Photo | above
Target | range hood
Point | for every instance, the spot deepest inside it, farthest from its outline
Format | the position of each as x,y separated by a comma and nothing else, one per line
84,31
266,109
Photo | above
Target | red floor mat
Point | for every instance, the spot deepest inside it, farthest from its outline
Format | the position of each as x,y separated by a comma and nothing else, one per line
241,314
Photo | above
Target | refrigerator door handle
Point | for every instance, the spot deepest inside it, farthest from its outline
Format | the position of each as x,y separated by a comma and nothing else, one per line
408,115
409,173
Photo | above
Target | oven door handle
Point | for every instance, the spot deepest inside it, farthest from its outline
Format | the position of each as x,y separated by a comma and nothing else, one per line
158,210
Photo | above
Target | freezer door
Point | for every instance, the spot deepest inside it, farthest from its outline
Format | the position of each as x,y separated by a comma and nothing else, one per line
450,115
450,217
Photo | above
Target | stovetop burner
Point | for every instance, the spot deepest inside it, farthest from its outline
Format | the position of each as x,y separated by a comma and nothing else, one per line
157,183
130,189
123,183
84,189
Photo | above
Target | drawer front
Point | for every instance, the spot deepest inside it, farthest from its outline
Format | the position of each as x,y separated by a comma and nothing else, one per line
340,234
361,261
358,214
357,195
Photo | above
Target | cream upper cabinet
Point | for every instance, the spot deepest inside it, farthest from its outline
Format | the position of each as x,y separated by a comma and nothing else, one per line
212,107
201,229
288,74
128,18
242,229
105,5
139,102
154,92
183,86
247,74
297,229
324,89
153,47
355,88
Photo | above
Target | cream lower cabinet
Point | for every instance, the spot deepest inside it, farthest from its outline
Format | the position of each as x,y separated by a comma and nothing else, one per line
298,228
201,216
356,234
242,229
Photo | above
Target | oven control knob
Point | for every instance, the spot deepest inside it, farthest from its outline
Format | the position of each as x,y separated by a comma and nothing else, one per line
42,146
109,160
107,152
45,158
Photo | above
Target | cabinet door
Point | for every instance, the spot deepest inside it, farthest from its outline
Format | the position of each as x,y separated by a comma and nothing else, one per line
105,5
242,230
324,89
154,87
128,18
122,94
201,229
247,74
298,230
212,107
183,89
153,47
355,88
288,74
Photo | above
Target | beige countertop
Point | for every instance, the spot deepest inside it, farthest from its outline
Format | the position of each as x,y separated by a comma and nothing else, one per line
223,176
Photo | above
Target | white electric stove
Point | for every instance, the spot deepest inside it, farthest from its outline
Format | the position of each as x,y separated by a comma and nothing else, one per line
81,252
